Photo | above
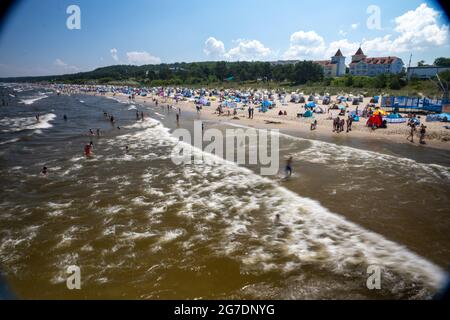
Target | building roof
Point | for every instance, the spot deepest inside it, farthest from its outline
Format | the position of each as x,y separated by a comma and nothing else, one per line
378,60
359,52
338,53
323,62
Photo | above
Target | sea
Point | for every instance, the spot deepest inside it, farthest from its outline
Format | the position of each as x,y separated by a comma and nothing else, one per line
139,226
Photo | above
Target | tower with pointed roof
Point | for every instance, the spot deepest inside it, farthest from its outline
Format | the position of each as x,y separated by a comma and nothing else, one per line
358,56
339,61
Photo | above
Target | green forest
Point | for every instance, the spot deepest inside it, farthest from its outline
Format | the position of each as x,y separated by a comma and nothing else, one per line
303,74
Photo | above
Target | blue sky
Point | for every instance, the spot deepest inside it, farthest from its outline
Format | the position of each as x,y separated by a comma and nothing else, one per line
35,40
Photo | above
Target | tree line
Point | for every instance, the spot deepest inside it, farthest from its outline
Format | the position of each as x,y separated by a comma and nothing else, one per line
192,73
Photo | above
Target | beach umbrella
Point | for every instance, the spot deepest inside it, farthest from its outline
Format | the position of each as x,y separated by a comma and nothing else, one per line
311,104
341,107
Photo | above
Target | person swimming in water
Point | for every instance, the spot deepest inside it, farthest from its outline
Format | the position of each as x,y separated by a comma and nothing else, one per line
127,149
98,132
44,171
37,117
65,118
91,132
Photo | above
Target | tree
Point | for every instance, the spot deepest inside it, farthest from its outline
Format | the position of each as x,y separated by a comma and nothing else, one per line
305,71
220,70
442,62
348,80
380,81
421,63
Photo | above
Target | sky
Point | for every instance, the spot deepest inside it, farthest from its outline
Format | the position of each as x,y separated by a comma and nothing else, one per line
35,38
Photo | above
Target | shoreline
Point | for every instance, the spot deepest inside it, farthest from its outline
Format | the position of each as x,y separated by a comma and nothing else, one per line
300,127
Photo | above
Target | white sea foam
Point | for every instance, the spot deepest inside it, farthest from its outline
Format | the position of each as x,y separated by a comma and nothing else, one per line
348,157
315,234
171,235
27,123
9,141
33,99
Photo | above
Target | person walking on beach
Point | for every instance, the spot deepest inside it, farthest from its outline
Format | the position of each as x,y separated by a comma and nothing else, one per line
178,119
314,125
137,115
422,132
349,123
411,132
336,123
142,115
98,132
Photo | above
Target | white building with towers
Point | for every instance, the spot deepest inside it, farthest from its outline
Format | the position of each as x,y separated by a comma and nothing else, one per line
334,67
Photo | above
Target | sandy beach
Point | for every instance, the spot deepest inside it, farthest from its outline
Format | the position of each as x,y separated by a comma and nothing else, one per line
436,137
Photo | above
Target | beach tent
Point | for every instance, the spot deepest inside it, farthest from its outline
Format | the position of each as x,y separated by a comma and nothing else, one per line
354,116
319,110
265,105
444,117
308,114
394,118
203,101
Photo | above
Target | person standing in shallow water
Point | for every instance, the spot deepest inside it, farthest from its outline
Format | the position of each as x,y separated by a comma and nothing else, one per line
411,132
349,123
422,132
288,167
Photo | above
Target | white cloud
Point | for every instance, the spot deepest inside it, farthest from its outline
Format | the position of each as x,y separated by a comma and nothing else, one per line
354,26
347,48
342,33
114,55
248,50
416,30
214,47
142,57
244,50
62,65
305,44
419,29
